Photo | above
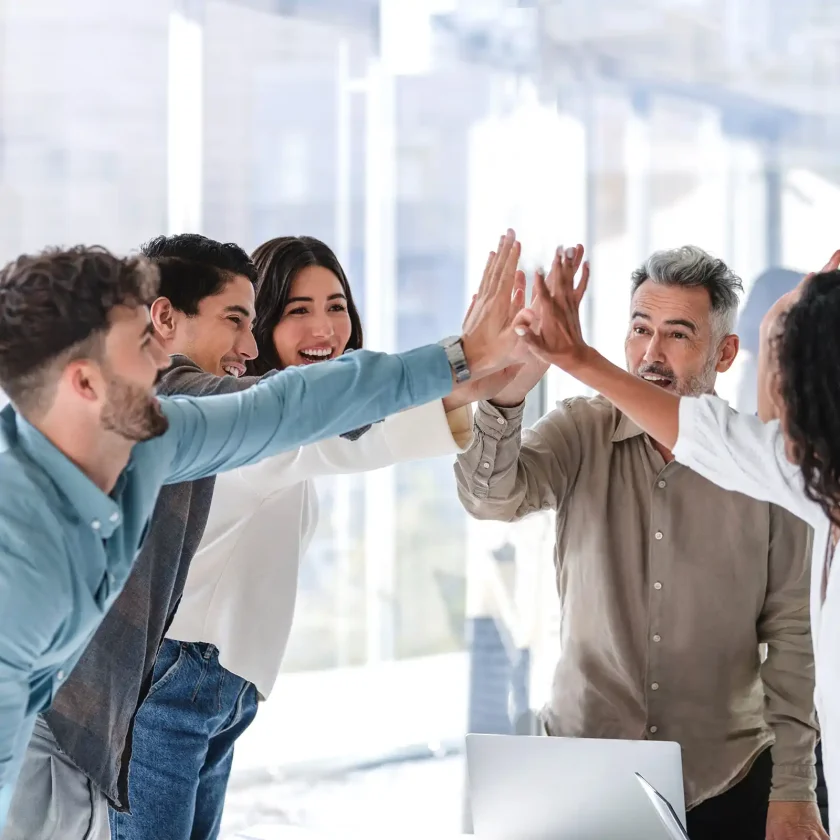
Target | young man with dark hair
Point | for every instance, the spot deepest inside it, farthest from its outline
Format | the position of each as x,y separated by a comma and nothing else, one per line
86,447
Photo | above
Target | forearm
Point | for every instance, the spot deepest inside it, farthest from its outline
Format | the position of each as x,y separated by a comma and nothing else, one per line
653,409
500,477
300,406
787,713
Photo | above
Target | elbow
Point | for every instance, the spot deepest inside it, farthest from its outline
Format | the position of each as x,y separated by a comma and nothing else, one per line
488,510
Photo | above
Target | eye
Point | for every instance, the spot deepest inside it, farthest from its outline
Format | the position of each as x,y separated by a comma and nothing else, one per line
679,335
298,310
236,319
639,331
338,307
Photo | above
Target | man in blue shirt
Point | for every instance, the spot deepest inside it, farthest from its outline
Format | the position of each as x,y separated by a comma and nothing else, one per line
85,445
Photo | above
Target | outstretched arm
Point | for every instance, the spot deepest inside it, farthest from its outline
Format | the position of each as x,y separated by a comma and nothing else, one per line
735,451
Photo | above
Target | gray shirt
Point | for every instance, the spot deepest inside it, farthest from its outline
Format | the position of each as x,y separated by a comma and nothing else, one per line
668,585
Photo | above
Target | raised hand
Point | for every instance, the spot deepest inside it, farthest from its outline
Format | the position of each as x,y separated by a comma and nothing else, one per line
551,325
533,367
488,336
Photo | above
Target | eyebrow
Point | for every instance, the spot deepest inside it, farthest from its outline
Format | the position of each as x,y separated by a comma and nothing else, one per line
672,322
337,296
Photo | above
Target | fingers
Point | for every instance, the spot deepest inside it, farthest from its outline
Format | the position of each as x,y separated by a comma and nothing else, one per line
489,268
470,308
580,291
505,266
834,263
507,277
517,301
553,280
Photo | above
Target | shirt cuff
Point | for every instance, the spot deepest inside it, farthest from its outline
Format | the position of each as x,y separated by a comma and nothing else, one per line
794,783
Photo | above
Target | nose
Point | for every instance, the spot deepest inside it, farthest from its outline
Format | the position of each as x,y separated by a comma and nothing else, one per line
322,327
653,351
247,347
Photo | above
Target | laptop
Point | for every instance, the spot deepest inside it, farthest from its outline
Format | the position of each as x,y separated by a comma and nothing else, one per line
666,812
540,788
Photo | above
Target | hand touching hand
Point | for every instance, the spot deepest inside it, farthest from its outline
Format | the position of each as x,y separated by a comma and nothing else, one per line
533,367
551,326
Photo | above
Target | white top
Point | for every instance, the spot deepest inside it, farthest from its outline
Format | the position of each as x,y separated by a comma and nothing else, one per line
740,453
241,588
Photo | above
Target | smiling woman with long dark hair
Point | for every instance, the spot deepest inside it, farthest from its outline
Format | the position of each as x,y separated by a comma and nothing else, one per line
293,271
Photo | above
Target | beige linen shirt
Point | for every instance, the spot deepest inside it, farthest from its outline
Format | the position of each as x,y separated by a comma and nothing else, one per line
668,585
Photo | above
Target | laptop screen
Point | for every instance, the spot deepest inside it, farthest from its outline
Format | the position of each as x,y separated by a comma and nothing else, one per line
663,807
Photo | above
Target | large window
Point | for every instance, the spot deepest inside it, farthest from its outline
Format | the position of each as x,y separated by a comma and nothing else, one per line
408,134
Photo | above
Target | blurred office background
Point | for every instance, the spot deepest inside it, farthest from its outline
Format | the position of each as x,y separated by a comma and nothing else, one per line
409,134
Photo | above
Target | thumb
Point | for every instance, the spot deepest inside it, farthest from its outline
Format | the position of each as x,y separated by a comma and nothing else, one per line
525,323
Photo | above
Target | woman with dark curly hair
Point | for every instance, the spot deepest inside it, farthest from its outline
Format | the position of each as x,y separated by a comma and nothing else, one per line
789,455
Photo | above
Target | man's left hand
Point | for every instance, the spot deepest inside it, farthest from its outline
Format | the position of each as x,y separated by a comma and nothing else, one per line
794,821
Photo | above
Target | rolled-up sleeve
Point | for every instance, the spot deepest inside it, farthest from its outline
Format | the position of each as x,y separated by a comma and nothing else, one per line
508,473
788,670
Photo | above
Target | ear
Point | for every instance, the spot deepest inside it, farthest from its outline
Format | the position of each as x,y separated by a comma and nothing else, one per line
84,379
164,318
728,352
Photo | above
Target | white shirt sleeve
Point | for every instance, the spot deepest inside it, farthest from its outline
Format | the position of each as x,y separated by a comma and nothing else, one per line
423,432
738,452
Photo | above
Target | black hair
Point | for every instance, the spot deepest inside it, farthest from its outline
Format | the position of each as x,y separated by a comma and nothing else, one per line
193,267
808,348
278,263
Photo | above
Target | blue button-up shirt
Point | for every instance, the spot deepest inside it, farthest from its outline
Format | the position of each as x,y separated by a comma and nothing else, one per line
66,548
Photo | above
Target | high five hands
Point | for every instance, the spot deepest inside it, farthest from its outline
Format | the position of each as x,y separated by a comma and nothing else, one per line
550,327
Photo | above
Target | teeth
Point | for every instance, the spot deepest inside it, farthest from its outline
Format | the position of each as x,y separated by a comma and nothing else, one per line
232,371
320,353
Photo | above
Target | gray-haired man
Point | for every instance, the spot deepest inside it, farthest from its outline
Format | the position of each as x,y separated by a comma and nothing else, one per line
668,584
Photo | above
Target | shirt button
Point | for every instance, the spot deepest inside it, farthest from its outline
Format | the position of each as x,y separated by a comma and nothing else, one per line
114,517
500,421
653,730
60,676
654,686
657,585
486,465
658,535
663,484
657,637
96,524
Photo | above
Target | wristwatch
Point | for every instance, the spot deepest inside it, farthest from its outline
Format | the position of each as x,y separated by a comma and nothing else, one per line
454,348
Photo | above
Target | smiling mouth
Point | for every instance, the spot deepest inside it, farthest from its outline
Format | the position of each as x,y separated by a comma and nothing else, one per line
233,370
316,354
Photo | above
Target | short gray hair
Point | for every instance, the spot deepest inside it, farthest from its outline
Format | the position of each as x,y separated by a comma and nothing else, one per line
691,266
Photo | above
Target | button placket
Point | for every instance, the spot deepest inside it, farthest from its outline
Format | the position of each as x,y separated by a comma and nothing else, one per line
657,565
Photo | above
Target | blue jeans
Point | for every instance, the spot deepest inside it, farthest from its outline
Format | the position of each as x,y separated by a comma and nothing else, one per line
183,746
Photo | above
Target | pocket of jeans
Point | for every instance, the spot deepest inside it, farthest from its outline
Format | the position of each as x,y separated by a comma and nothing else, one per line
169,660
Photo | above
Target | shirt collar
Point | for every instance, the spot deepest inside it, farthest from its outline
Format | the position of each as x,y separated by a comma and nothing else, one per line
93,506
625,428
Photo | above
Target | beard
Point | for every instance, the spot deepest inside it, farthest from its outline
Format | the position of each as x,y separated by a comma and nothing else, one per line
694,385
132,412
